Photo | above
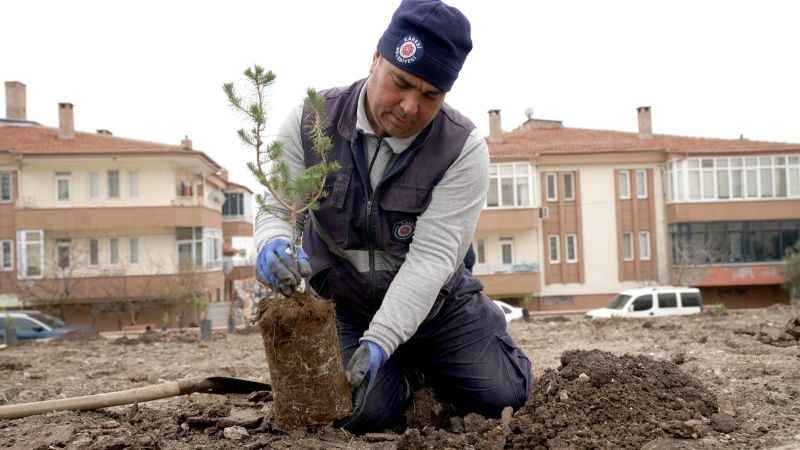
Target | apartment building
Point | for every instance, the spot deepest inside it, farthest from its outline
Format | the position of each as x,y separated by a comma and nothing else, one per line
114,231
574,216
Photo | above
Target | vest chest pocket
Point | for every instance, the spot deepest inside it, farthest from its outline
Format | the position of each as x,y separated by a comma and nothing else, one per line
401,205
332,214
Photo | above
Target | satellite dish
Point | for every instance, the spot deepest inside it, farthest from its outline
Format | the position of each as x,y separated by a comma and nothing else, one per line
529,113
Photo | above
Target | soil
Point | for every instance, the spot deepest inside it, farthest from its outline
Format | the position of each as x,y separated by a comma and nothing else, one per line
305,362
696,382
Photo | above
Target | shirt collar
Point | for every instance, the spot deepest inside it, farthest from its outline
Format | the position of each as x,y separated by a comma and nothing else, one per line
398,145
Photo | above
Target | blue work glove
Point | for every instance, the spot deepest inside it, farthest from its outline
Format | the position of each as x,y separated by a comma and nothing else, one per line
281,270
364,363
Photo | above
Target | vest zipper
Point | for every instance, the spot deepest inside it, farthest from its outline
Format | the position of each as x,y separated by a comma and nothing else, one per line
370,237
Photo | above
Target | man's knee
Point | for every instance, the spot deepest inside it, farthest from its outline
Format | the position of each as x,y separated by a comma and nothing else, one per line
382,405
512,380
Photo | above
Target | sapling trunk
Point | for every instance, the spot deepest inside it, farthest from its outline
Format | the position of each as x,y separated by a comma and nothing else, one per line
299,331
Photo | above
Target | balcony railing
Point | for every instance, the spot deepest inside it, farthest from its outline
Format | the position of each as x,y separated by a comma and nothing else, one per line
487,269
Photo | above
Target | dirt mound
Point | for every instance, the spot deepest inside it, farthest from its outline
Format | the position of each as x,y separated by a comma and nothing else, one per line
598,400
594,400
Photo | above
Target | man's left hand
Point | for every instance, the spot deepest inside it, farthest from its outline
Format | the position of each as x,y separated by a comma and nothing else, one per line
364,363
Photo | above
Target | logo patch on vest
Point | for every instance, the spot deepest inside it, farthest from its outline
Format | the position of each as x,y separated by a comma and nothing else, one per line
403,230
408,50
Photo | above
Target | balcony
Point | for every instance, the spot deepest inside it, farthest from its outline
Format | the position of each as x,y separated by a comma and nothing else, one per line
89,219
510,219
515,280
240,227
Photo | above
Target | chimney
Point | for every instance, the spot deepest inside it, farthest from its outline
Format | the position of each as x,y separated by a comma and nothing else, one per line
15,101
495,127
224,174
645,122
66,121
104,132
186,143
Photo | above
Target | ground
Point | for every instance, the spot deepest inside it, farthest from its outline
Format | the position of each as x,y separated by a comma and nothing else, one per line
735,384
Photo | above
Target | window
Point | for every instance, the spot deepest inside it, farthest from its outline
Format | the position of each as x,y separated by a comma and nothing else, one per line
690,299
94,252
507,248
643,303
732,242
572,248
62,186
190,247
627,246
31,251
133,183
569,186
94,185
644,245
723,179
5,186
481,251
234,204
510,185
552,187
624,184
780,176
737,178
113,245
668,300
554,249
213,247
751,173
113,184
641,183
134,250
63,255
707,166
6,255
765,174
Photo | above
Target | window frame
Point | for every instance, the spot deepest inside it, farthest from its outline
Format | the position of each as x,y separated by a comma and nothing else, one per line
626,195
3,254
109,185
22,250
113,248
506,242
496,178
133,184
4,174
554,177
480,251
631,247
133,250
94,254
645,255
574,238
63,176
571,185
61,244
93,183
641,194
550,240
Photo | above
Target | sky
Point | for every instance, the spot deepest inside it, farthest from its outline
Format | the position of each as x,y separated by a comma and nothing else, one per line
153,70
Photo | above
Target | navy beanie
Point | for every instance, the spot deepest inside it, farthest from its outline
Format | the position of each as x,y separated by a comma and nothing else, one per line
428,39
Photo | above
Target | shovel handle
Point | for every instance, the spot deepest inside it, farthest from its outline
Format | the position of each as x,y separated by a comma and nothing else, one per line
88,402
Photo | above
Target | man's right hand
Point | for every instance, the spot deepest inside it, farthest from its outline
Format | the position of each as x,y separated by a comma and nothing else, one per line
280,269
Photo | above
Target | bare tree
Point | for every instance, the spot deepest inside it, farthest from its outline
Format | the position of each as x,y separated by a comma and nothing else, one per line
690,258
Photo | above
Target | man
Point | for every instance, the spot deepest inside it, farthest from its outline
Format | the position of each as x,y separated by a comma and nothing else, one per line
388,242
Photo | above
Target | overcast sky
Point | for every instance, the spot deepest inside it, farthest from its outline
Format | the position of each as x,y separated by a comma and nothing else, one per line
153,70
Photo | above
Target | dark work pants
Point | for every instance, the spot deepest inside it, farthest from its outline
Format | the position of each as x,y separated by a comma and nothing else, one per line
464,353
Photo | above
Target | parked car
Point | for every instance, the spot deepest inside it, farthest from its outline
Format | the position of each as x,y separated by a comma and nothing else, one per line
31,325
511,312
652,302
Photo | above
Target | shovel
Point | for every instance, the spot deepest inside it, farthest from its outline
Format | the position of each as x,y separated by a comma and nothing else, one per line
210,385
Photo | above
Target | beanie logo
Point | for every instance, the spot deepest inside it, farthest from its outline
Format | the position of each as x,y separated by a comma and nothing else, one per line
403,230
408,50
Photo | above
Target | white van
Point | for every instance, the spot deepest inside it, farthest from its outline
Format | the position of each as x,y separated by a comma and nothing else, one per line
652,302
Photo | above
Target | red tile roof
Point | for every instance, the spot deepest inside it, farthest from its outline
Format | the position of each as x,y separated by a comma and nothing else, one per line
38,140
527,142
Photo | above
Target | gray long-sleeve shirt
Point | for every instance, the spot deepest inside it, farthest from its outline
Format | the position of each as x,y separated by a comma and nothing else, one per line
441,239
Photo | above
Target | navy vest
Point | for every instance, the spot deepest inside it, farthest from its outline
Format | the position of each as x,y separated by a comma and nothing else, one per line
352,217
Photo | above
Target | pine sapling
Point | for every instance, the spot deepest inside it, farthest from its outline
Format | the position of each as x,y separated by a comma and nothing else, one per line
297,194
